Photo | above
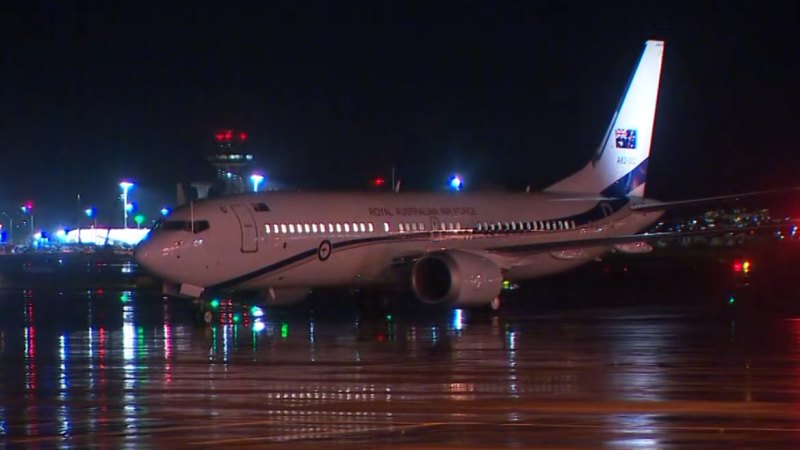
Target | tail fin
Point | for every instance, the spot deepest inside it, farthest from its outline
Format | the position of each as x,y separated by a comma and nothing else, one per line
620,166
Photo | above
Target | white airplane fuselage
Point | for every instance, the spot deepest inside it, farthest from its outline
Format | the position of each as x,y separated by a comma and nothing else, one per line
277,240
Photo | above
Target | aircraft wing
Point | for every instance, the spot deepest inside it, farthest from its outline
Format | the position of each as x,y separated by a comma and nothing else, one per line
651,205
571,244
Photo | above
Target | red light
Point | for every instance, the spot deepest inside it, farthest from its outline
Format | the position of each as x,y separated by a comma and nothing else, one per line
220,136
29,205
243,136
228,135
737,266
378,182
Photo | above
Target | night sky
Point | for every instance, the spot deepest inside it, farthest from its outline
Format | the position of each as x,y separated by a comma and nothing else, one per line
335,93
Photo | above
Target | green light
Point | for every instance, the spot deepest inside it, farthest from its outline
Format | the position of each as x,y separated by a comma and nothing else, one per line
236,318
731,300
124,297
284,330
389,317
139,219
215,303
506,284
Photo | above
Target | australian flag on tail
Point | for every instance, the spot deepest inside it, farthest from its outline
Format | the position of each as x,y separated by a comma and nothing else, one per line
625,138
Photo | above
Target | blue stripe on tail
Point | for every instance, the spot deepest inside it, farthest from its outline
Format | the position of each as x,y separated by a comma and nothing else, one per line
627,183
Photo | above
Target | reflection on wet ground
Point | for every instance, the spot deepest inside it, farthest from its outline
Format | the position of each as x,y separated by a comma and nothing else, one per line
127,369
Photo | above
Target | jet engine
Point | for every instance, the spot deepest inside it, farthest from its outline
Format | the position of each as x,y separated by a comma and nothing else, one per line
459,278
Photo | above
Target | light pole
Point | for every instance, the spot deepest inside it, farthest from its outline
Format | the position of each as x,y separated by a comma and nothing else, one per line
256,179
27,208
92,214
125,186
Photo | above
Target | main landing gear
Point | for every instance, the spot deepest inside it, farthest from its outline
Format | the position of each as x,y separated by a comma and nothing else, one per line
205,311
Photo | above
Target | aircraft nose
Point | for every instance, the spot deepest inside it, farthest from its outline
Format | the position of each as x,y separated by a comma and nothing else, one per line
141,254
147,255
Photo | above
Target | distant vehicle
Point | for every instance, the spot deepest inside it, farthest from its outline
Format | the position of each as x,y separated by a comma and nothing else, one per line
454,249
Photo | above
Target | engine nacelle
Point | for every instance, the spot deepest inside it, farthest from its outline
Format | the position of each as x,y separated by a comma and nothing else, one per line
460,278
286,296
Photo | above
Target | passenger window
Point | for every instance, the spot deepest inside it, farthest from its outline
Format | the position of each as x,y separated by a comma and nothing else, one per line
291,228
386,226
307,228
275,228
338,228
347,228
283,228
362,227
314,227
299,228
267,229
400,227
370,227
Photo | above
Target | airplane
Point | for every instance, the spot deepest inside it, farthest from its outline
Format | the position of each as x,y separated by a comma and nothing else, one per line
457,249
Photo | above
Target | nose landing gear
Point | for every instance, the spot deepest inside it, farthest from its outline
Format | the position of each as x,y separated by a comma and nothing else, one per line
495,303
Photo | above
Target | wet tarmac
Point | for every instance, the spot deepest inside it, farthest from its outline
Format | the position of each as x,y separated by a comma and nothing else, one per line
617,378
109,368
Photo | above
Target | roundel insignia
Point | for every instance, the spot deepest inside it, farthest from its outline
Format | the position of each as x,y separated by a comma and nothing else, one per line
324,251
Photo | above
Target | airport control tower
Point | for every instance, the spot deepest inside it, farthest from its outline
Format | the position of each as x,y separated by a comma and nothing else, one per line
230,160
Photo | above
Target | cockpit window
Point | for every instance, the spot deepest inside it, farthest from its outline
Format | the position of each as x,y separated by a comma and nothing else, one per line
183,225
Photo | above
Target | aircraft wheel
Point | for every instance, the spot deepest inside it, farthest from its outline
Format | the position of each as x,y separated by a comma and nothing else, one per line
208,317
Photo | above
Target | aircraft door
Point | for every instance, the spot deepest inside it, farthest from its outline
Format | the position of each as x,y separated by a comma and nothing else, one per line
247,224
